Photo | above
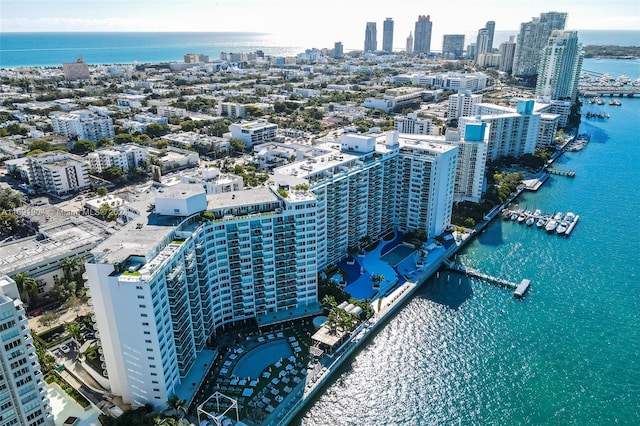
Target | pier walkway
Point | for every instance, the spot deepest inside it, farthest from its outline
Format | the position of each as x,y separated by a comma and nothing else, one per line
470,272
569,173
519,289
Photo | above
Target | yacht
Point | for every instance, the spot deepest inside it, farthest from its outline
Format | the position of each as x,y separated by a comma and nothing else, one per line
522,217
551,225
530,221
541,222
558,216
562,227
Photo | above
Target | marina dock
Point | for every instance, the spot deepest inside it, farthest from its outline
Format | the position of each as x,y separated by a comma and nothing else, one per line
557,222
518,289
568,173
522,288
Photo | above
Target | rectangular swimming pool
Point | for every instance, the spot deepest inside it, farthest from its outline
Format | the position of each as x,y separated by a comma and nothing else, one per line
397,255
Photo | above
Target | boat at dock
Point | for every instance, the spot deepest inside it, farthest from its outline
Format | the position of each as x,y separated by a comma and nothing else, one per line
530,221
551,225
541,222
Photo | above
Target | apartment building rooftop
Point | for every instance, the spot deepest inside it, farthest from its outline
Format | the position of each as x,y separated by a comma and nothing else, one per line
53,241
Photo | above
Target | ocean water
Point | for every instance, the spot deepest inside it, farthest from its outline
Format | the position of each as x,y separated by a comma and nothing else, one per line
52,49
467,352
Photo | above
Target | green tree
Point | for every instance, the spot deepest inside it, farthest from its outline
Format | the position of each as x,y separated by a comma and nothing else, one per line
10,199
376,279
70,266
102,191
155,130
236,145
27,286
104,142
84,145
42,144
74,304
74,330
48,318
8,222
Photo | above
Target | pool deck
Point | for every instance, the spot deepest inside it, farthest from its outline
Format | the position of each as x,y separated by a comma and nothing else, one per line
188,386
371,264
390,301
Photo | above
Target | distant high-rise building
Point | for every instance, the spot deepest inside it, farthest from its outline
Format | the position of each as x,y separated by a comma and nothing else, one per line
370,37
471,51
560,66
409,47
24,396
453,46
491,27
482,42
78,70
422,42
531,40
338,50
387,35
194,58
507,49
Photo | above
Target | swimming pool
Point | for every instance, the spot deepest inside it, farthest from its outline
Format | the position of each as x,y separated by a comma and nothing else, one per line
397,255
254,362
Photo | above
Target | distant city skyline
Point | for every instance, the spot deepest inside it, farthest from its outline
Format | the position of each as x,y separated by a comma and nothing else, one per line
325,27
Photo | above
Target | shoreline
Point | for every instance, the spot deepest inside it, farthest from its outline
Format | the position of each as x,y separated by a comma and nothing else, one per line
405,292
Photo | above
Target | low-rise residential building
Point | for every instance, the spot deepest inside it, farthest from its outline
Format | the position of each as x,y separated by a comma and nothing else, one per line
57,172
82,124
124,157
253,132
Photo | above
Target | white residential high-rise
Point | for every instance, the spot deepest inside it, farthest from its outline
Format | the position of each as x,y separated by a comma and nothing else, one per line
507,50
532,38
22,388
463,105
411,124
82,125
560,66
58,172
167,282
472,159
511,133
409,46
482,42
160,291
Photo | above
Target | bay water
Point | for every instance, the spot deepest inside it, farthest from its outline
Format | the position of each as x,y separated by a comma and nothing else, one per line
466,352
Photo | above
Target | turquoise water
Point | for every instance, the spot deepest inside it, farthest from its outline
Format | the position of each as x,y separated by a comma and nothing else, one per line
397,255
253,363
466,352
52,49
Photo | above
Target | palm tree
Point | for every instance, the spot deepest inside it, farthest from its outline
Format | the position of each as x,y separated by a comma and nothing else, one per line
175,406
376,279
27,286
69,267
74,330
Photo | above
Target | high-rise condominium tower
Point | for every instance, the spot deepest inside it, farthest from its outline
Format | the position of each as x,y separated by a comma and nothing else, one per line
452,46
370,37
507,49
491,27
409,47
560,66
482,42
22,388
422,42
387,35
338,50
531,40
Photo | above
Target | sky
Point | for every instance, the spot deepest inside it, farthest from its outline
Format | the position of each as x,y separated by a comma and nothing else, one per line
314,23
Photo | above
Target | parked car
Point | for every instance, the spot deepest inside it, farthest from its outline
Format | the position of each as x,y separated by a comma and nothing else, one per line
64,348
